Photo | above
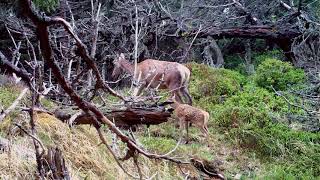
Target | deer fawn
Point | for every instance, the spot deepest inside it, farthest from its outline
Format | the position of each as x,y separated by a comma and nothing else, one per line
157,74
189,114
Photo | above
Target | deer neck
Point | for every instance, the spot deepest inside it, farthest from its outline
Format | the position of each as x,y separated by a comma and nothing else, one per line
127,66
174,105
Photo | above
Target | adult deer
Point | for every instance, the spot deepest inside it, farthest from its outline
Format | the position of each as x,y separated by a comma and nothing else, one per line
157,74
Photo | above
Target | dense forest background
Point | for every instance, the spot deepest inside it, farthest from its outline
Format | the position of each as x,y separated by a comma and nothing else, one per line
254,67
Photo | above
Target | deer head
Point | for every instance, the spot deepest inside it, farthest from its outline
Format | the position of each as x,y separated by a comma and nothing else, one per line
117,65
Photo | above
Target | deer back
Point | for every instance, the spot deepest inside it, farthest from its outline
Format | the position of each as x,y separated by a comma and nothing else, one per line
163,72
154,72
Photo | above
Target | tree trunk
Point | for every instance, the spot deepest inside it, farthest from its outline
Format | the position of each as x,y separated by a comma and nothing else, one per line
124,117
248,57
218,54
213,55
54,165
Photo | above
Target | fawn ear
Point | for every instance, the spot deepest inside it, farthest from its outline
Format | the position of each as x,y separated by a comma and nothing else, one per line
173,98
122,56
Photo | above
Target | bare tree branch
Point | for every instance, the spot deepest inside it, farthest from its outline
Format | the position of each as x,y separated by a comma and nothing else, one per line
14,104
42,24
26,77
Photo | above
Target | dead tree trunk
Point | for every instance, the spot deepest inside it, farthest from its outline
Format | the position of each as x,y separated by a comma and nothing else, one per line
54,164
248,57
213,54
124,117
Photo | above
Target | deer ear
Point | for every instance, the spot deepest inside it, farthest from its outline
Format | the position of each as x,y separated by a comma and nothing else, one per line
121,56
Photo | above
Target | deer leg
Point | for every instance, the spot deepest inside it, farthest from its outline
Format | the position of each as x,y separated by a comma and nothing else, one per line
137,91
185,93
177,96
205,132
174,89
182,126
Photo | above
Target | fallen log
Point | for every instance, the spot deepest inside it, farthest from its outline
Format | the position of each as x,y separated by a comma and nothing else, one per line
130,116
124,116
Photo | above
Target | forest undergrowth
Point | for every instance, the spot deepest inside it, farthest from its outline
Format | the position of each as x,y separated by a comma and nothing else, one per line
253,134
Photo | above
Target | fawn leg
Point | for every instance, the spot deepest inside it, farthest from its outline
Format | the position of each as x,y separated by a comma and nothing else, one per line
182,126
205,132
186,124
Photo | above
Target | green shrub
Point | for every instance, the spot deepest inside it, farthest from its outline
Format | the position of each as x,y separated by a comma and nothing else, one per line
237,63
278,74
298,152
253,117
46,5
233,61
248,118
259,58
8,95
279,172
253,104
210,82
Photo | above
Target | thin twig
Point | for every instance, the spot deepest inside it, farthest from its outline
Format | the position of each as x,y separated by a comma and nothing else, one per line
13,105
33,137
135,160
278,93
175,148
194,38
103,141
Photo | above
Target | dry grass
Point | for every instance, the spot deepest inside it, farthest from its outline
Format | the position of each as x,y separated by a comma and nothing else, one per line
80,148
87,160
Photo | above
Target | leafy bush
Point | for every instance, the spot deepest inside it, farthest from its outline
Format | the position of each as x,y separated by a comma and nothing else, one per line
296,151
8,95
233,61
253,103
213,83
46,5
250,120
278,74
259,58
237,63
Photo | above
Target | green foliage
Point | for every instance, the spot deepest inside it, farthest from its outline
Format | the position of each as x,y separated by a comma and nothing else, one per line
46,5
252,117
47,103
213,83
279,172
7,95
296,152
248,120
237,63
253,105
312,6
278,74
164,145
233,61
258,58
